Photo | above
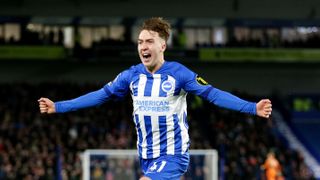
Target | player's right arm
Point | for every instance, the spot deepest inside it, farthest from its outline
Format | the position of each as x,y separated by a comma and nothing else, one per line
88,100
116,89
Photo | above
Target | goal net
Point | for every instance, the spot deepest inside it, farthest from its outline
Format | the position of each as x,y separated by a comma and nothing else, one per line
124,165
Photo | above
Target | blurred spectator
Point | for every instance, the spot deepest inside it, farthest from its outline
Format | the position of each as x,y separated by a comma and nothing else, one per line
272,167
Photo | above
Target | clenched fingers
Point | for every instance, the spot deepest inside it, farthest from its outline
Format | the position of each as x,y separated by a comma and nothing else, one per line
43,107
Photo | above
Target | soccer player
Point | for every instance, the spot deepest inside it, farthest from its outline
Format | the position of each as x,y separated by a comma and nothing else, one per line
159,88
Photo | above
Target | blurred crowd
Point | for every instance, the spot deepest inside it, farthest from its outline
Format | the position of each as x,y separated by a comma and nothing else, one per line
36,38
247,37
275,41
35,146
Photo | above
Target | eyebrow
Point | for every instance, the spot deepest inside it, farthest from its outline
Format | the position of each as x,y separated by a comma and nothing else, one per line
150,39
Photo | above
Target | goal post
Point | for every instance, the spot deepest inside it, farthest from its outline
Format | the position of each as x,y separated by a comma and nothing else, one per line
124,164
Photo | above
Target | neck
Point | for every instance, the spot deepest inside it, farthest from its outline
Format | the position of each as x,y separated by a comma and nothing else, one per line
155,68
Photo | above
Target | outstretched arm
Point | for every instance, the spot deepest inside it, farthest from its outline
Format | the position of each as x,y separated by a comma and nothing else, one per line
227,100
115,89
224,99
194,84
91,99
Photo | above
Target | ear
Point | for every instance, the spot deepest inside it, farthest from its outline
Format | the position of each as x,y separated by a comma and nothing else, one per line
163,46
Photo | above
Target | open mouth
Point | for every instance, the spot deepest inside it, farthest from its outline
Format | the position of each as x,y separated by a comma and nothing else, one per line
146,55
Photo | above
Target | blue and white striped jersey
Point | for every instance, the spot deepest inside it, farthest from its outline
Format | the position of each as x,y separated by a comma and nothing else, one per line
159,105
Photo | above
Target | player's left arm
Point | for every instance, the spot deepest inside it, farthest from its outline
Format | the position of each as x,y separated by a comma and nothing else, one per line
227,100
198,86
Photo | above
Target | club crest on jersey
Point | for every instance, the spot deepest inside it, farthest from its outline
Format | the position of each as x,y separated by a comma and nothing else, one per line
167,86
201,81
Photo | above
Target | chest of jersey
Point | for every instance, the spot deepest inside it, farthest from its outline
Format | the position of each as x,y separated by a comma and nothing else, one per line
155,93
156,85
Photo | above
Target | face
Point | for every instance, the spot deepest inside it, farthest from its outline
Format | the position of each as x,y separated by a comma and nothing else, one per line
151,48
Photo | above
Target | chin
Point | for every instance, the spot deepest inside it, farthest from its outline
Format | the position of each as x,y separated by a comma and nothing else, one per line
146,63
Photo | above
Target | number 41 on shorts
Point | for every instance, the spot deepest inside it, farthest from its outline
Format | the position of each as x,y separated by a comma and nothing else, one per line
154,167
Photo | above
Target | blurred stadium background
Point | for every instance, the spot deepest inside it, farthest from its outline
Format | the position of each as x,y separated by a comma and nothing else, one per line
63,48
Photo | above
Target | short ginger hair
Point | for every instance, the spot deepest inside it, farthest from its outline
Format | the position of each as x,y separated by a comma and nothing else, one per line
159,25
